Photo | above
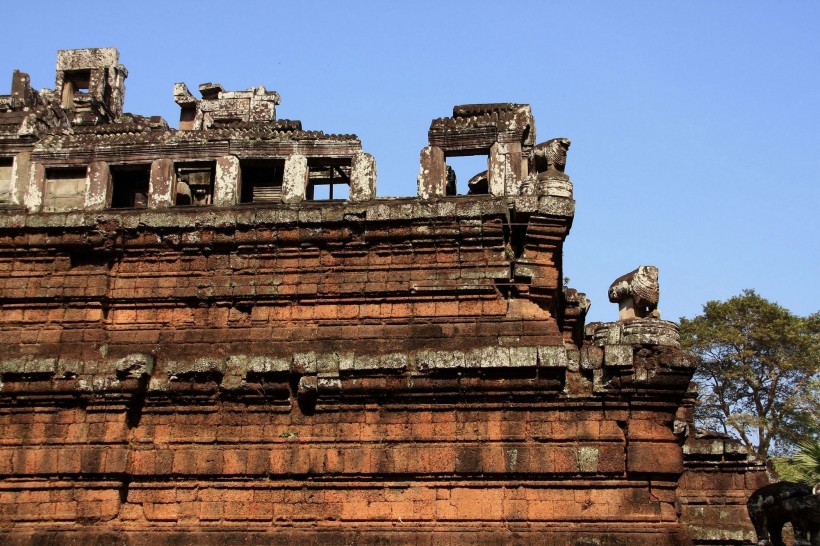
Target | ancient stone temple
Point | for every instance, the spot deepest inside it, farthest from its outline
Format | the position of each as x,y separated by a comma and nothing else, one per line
219,334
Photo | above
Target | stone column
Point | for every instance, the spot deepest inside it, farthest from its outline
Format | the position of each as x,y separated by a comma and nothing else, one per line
33,200
162,187
504,173
515,172
295,181
20,177
362,177
228,180
432,180
525,167
98,186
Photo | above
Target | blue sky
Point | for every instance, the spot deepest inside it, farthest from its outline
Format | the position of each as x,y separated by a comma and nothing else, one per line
695,125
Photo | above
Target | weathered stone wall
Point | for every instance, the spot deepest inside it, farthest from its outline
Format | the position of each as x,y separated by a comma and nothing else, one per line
196,366
719,476
325,373
365,473
371,279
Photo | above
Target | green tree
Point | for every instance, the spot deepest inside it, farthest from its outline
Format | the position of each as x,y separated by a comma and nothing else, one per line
803,466
758,376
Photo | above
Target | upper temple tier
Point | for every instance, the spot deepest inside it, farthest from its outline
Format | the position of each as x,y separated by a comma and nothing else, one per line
505,134
73,148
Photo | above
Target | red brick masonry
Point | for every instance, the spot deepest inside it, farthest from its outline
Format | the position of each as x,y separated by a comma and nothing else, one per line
230,363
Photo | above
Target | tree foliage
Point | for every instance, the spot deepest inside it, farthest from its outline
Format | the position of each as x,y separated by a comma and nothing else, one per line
803,466
758,373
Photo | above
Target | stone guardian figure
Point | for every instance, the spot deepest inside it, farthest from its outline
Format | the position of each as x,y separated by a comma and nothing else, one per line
637,293
774,505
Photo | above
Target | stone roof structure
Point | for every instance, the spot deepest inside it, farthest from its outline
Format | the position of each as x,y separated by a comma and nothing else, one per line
219,333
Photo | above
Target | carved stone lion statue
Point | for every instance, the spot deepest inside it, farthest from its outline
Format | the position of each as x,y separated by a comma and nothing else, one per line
551,154
636,293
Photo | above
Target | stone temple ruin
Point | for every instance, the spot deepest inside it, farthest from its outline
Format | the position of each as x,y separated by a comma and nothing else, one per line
219,334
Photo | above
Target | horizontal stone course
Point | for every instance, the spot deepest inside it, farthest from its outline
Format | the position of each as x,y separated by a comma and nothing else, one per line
195,351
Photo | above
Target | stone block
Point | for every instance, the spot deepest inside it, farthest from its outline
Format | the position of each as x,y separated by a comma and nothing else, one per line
162,184
648,331
33,199
304,363
135,365
362,177
504,173
79,59
98,187
618,355
432,179
227,181
439,360
15,179
652,457
295,179
553,357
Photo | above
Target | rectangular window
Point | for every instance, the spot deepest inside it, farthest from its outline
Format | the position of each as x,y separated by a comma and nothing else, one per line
468,173
195,183
261,180
64,189
328,180
186,117
129,186
74,82
6,186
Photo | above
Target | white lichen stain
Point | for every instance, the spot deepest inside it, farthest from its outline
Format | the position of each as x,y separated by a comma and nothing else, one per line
13,181
512,459
34,196
227,181
588,459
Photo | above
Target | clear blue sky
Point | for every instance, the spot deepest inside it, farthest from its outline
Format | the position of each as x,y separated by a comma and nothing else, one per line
695,125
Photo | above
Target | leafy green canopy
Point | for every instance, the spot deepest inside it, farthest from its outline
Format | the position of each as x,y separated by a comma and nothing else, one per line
803,466
759,375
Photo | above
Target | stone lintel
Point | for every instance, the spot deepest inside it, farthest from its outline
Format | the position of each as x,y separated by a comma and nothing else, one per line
83,59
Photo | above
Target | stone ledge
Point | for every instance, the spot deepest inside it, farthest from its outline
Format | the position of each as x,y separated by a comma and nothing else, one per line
379,210
644,331
235,371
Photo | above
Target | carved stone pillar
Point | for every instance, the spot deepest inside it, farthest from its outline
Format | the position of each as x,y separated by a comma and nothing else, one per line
432,180
514,172
295,180
505,168
362,177
98,186
20,176
162,187
228,180
33,200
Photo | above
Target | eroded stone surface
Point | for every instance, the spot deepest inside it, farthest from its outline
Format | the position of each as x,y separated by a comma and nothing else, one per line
201,346
636,293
